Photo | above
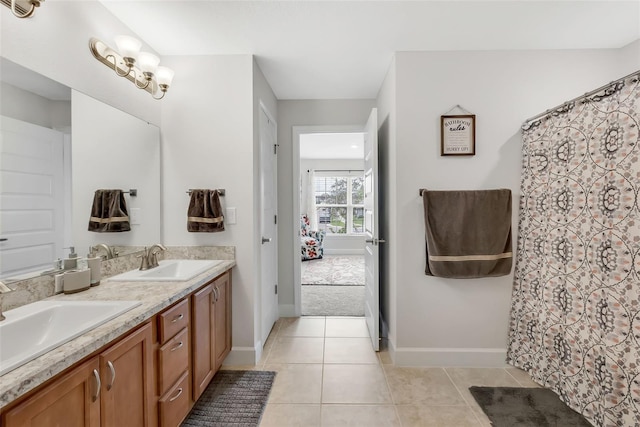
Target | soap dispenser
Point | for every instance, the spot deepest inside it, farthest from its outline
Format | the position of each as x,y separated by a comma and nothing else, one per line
71,261
94,262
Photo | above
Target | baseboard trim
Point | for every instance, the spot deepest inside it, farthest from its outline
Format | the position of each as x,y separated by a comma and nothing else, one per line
242,356
450,357
287,310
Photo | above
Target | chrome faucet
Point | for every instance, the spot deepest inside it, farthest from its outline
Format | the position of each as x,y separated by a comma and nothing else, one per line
109,251
149,259
3,290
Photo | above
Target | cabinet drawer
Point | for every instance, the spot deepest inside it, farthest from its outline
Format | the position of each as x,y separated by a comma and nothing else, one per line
172,320
173,359
174,405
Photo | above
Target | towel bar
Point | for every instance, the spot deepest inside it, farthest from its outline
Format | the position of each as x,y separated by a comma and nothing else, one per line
132,192
221,191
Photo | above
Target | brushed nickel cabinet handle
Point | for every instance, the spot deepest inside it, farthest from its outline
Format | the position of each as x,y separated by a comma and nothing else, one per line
177,318
178,346
113,375
177,395
96,375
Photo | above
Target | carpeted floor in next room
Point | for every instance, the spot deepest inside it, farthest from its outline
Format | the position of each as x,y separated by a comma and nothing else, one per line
336,270
333,286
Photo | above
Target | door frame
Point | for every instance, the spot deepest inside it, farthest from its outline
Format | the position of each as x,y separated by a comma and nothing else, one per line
296,131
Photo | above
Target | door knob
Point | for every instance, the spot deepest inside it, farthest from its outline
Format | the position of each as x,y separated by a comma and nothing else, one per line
265,240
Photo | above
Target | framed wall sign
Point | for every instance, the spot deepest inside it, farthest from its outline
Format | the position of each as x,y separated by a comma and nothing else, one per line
458,135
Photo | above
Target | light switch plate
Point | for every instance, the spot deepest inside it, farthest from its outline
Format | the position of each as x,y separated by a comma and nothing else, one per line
230,217
134,216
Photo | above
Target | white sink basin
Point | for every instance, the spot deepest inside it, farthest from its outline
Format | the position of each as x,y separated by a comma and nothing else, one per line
33,329
169,270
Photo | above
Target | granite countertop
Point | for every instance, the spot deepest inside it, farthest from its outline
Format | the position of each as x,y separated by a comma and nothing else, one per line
154,296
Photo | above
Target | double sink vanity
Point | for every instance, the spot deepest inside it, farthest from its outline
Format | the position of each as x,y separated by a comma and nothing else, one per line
137,350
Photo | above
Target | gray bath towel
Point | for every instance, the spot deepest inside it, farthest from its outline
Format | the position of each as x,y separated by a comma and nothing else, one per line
468,233
205,212
109,212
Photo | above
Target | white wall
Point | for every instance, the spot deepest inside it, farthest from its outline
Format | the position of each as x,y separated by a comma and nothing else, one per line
464,322
629,58
208,142
49,44
113,149
334,244
31,108
303,113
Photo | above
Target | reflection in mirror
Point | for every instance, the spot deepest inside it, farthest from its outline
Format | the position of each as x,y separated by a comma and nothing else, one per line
43,204
35,197
114,150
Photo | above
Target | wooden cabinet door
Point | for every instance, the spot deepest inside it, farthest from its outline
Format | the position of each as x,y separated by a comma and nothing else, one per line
72,401
222,318
203,345
127,380
175,404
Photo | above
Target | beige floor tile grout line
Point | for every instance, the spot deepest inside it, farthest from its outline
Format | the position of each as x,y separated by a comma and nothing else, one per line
324,341
517,380
386,380
463,398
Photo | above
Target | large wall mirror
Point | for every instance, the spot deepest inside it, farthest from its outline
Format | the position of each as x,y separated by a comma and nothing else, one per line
57,147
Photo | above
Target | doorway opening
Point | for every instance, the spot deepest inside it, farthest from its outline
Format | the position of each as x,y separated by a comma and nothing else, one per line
331,212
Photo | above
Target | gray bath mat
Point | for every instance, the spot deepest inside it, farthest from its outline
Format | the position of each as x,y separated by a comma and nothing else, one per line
234,398
525,407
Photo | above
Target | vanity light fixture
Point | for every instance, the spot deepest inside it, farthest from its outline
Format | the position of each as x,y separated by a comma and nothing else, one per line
21,11
141,68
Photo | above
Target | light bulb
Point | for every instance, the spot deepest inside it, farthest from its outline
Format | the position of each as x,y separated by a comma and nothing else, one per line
128,47
148,62
164,76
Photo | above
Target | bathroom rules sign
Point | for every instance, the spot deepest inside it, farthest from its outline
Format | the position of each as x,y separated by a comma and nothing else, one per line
458,135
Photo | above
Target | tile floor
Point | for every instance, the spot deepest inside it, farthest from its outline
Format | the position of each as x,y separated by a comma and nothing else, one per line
329,376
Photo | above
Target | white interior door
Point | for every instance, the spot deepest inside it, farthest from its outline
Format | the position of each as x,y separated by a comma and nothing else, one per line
269,231
31,197
371,229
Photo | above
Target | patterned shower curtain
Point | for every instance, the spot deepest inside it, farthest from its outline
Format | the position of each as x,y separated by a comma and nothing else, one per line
575,320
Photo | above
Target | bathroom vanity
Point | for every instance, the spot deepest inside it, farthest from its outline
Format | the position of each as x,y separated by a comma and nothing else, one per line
146,367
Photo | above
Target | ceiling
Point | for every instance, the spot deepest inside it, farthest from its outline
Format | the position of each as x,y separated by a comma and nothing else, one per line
342,49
